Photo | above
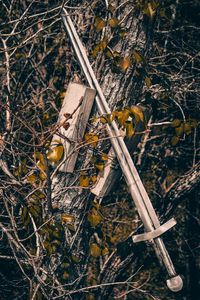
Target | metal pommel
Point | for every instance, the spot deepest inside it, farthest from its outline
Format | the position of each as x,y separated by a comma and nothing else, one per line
175,284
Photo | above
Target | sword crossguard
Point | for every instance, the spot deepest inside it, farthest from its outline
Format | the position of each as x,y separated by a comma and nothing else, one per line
154,233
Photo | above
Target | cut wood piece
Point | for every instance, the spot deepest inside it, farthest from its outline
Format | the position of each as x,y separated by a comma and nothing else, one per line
112,171
75,111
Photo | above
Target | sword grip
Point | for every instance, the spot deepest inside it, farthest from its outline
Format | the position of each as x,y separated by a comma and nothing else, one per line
175,282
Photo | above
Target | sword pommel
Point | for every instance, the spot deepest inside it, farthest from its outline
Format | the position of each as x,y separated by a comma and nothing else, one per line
175,283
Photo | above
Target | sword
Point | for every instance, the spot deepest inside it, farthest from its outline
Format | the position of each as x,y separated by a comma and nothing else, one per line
137,190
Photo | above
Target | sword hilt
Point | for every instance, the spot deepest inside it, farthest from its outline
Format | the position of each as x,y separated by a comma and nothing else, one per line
175,282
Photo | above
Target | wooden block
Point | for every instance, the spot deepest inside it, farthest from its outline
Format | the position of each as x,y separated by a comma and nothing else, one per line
77,123
112,171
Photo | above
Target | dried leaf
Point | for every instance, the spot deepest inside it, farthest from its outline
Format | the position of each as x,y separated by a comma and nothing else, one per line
111,8
187,128
130,131
174,140
176,123
99,24
122,116
148,81
150,9
95,250
123,33
84,181
42,176
193,123
92,139
32,178
179,130
55,152
94,218
94,179
137,56
124,63
65,275
104,157
105,251
105,119
114,22
99,166
138,114
65,218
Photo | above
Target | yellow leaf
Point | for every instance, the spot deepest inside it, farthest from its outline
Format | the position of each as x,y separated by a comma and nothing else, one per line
111,8
104,157
55,152
138,114
113,22
187,128
99,166
42,176
124,63
174,140
100,47
95,250
75,258
193,123
105,119
148,81
130,131
94,218
179,130
94,179
123,34
99,24
65,275
150,9
67,218
84,181
176,123
137,56
32,178
105,251
92,139
123,116
46,116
